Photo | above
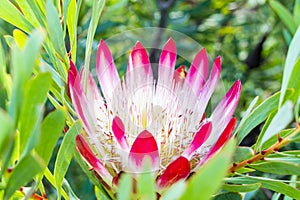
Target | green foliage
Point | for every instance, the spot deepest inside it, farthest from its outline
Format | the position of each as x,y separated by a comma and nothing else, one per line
34,62
65,154
212,172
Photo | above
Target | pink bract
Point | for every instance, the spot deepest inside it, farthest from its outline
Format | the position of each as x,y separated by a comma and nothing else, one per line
140,120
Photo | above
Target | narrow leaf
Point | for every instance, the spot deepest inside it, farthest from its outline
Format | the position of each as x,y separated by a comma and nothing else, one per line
55,31
275,185
282,118
277,167
257,116
241,188
51,129
290,61
13,16
65,154
32,165
284,14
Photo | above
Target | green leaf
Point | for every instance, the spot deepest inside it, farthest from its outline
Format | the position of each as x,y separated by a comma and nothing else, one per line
65,154
272,140
35,96
25,6
175,191
25,170
257,116
125,187
241,188
271,184
277,167
48,175
3,79
280,120
228,196
6,130
96,12
23,62
284,15
55,31
242,153
91,175
297,110
290,61
248,111
294,81
297,12
146,186
213,172
13,16
51,130
72,18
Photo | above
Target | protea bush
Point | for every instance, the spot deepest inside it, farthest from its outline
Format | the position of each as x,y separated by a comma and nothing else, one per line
141,120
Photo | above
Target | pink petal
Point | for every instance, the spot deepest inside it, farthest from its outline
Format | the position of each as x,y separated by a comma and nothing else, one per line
167,62
176,170
144,146
139,60
85,151
225,109
198,140
210,84
72,74
222,139
106,70
198,71
80,103
119,132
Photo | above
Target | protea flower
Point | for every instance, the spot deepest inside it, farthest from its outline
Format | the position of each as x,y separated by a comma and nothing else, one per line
139,118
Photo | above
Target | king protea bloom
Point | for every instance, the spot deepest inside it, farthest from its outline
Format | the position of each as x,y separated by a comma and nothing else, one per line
141,120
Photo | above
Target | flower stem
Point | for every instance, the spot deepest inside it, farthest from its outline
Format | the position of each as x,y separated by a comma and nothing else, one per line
281,142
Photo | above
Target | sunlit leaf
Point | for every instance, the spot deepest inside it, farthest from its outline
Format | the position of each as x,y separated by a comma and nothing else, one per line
13,16
72,27
25,6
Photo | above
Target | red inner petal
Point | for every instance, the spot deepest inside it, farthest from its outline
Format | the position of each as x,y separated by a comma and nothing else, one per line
143,146
176,170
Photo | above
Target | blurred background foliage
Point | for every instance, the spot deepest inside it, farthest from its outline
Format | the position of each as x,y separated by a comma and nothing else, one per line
248,34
